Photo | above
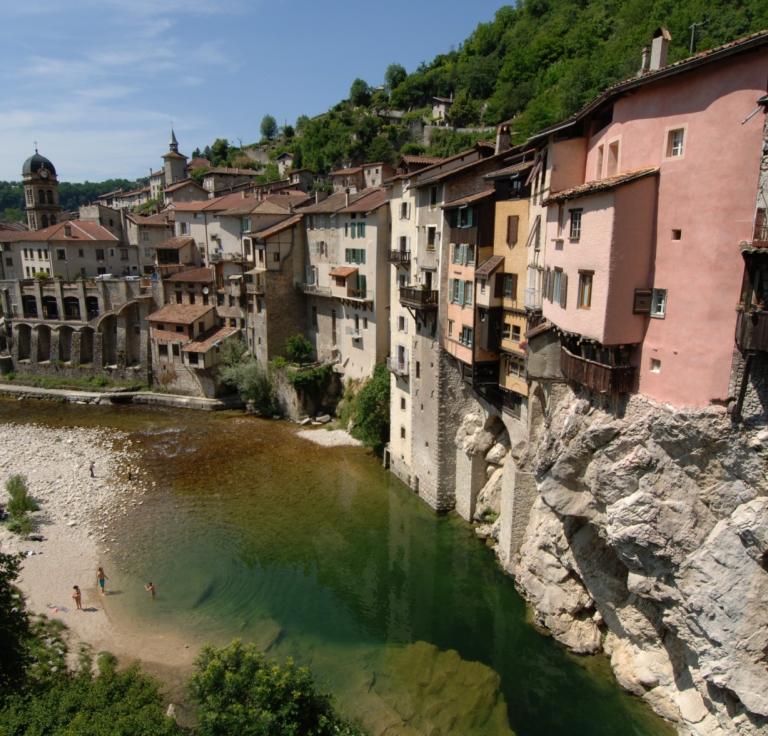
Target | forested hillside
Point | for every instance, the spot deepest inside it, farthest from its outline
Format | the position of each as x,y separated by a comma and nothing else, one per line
71,195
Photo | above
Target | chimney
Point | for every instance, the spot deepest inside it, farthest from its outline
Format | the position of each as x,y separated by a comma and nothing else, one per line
645,61
346,198
502,138
659,47
67,231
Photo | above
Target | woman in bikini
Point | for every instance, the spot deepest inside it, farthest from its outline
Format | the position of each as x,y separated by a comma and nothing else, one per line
77,597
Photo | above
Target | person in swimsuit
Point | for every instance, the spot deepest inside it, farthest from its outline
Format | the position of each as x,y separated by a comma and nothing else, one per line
150,588
101,578
77,597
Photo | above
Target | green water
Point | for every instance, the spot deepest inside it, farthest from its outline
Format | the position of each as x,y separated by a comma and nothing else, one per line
320,554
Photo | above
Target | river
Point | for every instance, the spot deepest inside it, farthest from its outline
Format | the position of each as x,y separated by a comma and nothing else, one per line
318,553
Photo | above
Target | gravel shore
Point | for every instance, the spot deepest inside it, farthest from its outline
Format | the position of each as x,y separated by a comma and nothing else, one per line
329,437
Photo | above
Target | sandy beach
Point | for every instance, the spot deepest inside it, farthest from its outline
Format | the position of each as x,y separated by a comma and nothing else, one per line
329,437
75,518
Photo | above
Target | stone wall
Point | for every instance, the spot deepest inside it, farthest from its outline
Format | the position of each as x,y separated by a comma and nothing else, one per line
754,410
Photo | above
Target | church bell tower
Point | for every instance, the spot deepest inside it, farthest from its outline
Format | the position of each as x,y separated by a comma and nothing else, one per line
41,192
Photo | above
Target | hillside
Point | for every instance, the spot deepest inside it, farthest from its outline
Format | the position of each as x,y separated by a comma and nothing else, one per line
537,62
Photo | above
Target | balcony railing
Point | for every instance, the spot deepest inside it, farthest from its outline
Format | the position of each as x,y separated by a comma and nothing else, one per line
418,298
532,298
613,379
359,294
398,367
752,330
316,290
400,257
760,236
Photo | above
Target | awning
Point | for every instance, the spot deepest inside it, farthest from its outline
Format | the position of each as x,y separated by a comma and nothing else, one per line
487,267
342,271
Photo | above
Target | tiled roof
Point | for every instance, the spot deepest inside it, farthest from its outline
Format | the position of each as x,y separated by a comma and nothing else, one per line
278,227
413,160
175,243
346,172
217,204
342,271
509,170
599,185
193,276
158,220
431,174
180,314
197,162
488,266
173,154
285,154
330,204
225,170
469,199
369,200
132,192
80,230
203,343
182,184
159,172
679,67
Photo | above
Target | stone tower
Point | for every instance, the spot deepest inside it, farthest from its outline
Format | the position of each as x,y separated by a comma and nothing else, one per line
174,163
41,192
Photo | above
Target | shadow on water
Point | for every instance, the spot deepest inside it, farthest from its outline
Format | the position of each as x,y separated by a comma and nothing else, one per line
320,554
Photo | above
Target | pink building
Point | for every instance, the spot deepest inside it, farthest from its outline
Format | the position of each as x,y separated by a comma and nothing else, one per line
650,190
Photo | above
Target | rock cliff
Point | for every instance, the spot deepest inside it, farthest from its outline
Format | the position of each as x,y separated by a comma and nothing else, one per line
648,540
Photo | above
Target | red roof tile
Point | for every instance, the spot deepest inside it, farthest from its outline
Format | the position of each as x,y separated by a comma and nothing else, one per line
469,199
599,185
342,271
180,314
278,227
79,230
346,172
184,183
369,200
203,343
193,276
174,243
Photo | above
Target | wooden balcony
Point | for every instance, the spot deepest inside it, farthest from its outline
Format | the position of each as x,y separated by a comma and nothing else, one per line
605,379
463,235
399,257
416,298
752,330
760,236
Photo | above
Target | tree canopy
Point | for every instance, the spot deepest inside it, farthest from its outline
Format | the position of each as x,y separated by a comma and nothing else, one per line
268,127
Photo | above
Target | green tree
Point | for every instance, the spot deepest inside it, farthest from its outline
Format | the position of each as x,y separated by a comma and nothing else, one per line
252,382
370,411
15,628
219,152
288,132
360,93
298,349
464,111
232,352
268,128
394,76
240,692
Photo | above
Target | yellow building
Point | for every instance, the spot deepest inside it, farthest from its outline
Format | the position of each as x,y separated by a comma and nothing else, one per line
510,233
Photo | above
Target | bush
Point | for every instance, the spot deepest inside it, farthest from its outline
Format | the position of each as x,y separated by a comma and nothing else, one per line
21,502
252,382
369,410
298,349
232,352
238,691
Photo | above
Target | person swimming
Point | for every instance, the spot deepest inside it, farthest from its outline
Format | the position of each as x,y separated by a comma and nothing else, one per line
150,588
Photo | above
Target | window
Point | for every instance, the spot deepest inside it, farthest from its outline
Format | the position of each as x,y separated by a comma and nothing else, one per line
599,167
354,255
465,217
559,287
469,289
404,210
418,369
100,270
466,336
183,228
613,159
675,143
162,348
314,318
40,253
360,229
655,365
515,333
61,254
147,252
431,237
402,433
659,303
402,403
513,222
401,323
510,285
180,328
677,234
246,224
123,254
575,232
585,289
276,256
178,297
191,298
201,327
176,349
506,331
99,254
515,366
145,236
432,196
450,328
192,358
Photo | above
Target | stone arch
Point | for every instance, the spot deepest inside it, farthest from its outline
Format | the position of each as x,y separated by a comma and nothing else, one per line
86,345
43,343
132,323
71,307
65,344
23,342
50,307
108,329
92,307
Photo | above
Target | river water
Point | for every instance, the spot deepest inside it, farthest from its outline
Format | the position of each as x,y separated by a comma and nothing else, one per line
318,553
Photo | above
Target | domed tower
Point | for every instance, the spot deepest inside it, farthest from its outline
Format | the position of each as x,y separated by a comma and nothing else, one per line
41,192
174,163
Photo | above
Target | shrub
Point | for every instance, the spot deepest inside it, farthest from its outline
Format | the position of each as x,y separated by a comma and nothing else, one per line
252,382
298,349
239,691
232,352
21,502
370,410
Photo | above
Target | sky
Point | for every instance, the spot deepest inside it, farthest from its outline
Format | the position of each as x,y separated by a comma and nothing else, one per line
98,83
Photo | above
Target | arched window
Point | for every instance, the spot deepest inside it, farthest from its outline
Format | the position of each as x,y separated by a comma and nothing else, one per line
50,196
41,196
44,220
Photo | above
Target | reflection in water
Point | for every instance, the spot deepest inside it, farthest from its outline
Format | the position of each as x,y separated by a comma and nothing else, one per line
320,554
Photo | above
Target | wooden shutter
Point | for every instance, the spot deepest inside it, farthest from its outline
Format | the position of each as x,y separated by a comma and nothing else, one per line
642,303
460,287
512,224
498,285
564,290
513,279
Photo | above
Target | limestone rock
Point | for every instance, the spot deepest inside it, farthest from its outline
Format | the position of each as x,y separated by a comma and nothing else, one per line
496,454
489,498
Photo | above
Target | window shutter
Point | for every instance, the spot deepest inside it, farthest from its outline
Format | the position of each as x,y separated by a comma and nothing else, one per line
512,224
563,290
513,290
461,291
498,284
642,304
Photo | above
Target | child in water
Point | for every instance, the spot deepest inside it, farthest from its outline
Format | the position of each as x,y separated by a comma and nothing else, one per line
150,588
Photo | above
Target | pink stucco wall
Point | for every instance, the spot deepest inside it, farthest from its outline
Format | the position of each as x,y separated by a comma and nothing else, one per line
709,194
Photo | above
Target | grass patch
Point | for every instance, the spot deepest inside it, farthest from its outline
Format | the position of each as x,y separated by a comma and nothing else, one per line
81,383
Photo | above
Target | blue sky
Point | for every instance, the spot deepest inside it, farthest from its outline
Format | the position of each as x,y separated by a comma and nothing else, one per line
98,82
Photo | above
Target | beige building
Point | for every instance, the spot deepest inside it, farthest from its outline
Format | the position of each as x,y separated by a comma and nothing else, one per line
145,234
221,179
347,280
